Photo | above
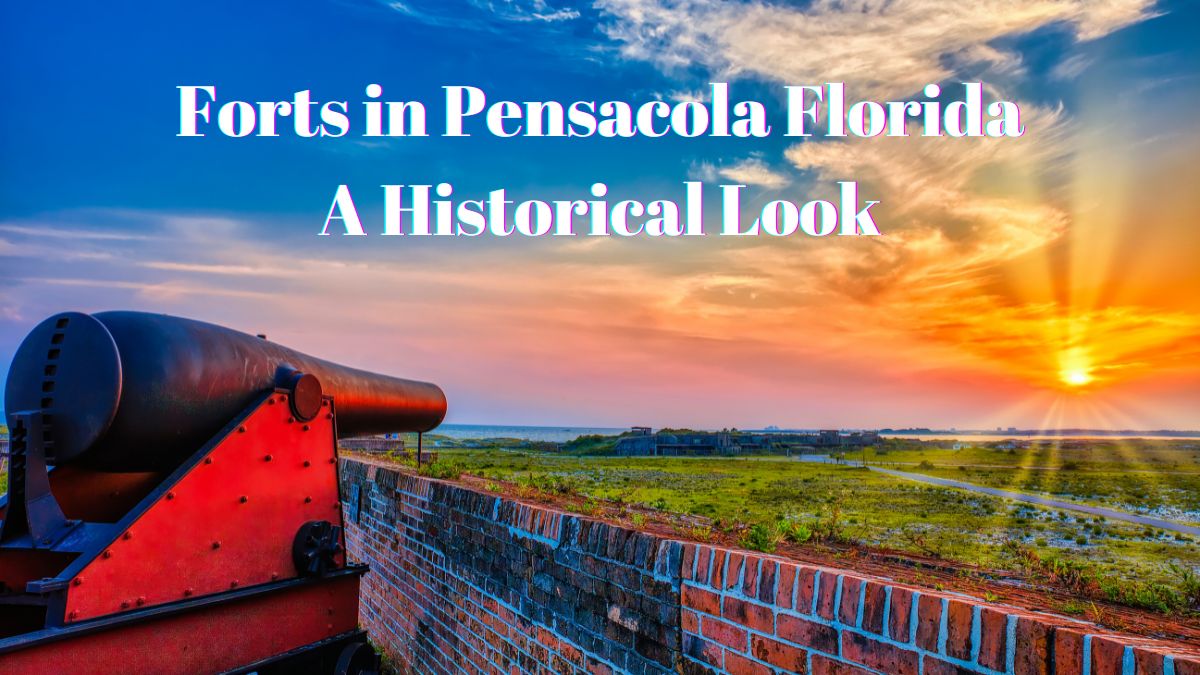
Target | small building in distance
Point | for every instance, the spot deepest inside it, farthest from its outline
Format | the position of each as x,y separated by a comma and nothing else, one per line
373,444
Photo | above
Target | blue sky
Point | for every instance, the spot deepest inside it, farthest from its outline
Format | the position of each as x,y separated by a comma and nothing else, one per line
102,206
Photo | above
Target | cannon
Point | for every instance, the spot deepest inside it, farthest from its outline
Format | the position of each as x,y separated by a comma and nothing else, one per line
173,500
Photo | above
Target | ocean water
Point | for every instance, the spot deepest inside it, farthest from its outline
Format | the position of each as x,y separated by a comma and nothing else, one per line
564,434
544,434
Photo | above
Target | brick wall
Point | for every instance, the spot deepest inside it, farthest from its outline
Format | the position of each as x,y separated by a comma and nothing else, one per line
464,581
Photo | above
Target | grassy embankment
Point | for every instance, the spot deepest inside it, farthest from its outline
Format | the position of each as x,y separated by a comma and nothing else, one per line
766,500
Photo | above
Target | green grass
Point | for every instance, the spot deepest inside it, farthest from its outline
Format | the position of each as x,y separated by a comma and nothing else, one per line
1160,478
773,499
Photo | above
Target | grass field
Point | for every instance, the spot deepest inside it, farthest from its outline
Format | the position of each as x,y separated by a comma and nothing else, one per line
768,499
1157,478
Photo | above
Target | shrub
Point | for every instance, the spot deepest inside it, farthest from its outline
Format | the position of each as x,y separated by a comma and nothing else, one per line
795,532
445,469
1189,585
761,537
555,484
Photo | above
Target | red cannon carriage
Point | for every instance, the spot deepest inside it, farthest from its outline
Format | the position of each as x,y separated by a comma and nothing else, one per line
173,500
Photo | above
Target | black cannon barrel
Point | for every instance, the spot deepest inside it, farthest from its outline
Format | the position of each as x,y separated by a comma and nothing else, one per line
132,391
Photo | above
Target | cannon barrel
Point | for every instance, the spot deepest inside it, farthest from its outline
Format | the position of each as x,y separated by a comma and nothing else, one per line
133,391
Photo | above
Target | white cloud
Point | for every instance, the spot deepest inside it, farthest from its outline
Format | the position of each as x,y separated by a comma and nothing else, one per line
488,14
754,172
942,226
882,48
750,171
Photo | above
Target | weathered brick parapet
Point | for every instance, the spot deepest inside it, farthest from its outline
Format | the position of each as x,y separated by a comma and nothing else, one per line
466,581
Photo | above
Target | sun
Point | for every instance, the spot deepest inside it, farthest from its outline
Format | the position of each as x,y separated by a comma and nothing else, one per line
1075,377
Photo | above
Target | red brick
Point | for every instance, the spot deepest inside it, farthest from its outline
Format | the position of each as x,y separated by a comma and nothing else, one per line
807,586
993,634
848,607
689,621
879,655
750,580
736,664
733,570
826,595
700,599
929,621
571,653
1108,656
873,605
702,649
703,563
725,633
779,654
1068,652
1148,662
959,616
689,560
768,581
785,585
899,615
826,666
806,633
1187,666
1032,647
935,666
720,560
754,616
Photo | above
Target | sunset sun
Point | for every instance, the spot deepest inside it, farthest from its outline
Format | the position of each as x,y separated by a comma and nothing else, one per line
1075,377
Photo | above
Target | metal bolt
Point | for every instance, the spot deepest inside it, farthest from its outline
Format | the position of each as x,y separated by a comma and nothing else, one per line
241,430
244,499
306,427
170,495
124,604
108,554
324,404
328,416
307,463
291,420
307,500
274,576
77,581
271,401
187,592
216,545
141,600
73,615
127,536
268,458
233,584
208,460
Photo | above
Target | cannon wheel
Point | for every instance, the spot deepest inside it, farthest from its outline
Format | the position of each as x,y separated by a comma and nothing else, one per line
347,654
358,658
